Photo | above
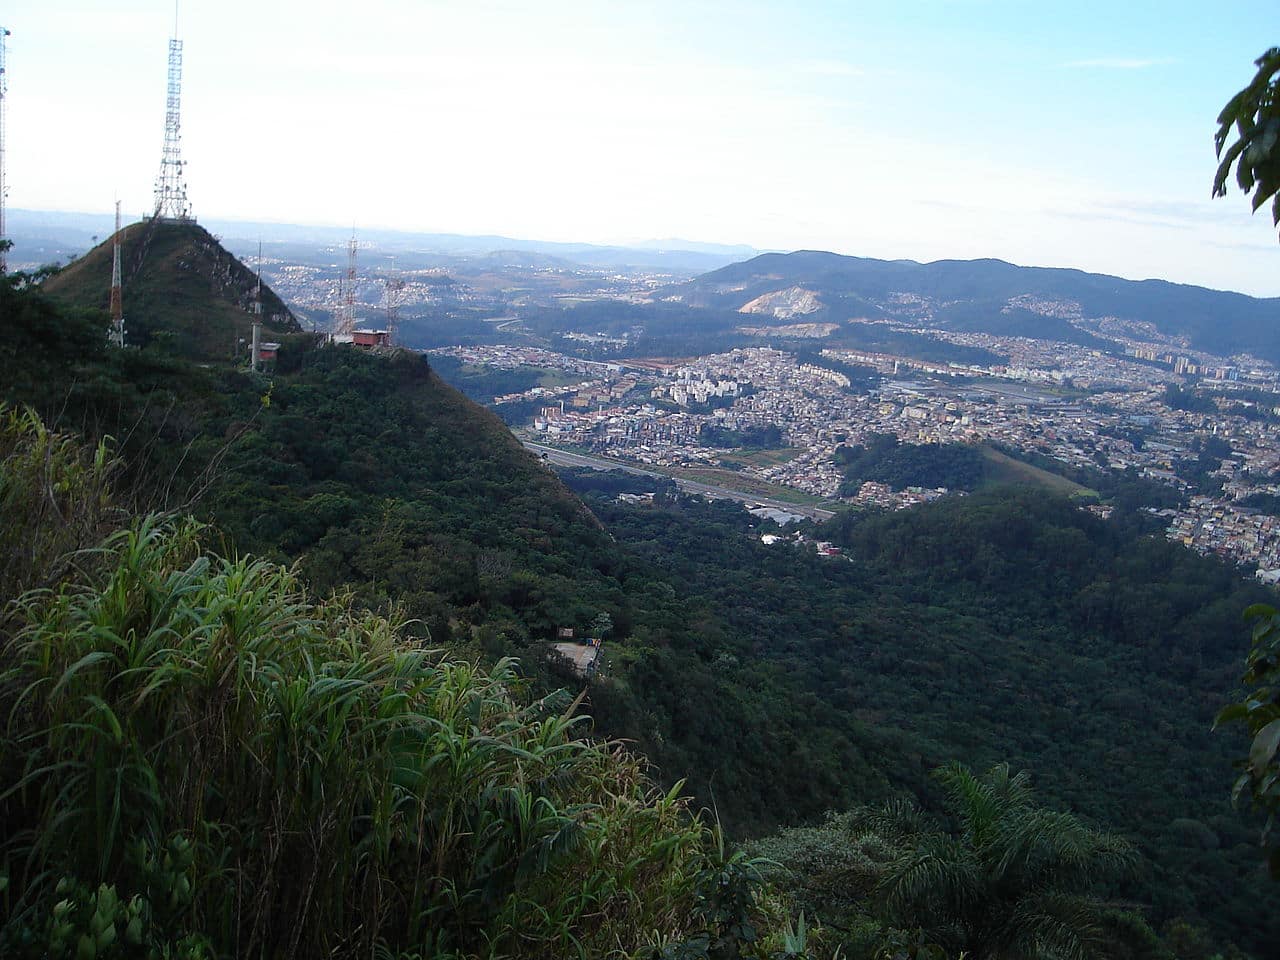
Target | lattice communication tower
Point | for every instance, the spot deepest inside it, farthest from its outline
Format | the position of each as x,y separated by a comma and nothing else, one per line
347,311
394,293
117,291
171,187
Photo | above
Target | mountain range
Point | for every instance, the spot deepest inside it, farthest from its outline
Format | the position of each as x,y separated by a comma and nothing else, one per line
990,296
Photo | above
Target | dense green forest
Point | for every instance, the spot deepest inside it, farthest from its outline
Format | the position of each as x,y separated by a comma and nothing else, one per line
200,760
883,459
484,383
1005,627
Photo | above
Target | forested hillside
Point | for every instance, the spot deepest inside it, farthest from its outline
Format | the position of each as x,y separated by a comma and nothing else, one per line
1007,626
185,290
976,295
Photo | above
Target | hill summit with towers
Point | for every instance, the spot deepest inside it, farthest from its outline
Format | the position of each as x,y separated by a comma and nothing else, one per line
181,286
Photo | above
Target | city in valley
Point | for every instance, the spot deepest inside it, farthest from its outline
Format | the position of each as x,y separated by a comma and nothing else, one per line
1058,400
610,362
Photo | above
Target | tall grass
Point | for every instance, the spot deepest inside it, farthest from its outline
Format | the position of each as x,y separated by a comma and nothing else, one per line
339,789
55,499
197,759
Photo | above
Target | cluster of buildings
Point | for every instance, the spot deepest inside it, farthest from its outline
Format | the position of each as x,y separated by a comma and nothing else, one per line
656,414
1247,537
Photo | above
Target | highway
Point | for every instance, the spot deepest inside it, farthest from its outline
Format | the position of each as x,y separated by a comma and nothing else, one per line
564,458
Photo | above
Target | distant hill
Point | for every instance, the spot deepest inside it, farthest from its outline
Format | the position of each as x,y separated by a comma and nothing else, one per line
180,285
996,297
42,236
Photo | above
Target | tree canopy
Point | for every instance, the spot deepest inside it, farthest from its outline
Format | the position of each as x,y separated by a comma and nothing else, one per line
1254,112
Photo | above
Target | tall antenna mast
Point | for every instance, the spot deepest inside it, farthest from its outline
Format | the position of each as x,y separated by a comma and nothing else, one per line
171,188
347,312
4,188
394,291
117,297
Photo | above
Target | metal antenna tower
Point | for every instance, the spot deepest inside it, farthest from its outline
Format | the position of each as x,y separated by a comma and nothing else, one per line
347,312
171,188
4,188
117,297
394,291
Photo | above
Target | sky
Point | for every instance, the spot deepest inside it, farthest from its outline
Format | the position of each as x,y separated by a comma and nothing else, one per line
1076,134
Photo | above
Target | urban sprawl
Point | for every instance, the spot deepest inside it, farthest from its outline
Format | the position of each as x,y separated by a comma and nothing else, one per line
655,413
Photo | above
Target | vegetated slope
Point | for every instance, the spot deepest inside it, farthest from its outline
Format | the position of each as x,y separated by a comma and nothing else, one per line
971,295
1008,625
781,684
201,760
370,470
181,287
377,475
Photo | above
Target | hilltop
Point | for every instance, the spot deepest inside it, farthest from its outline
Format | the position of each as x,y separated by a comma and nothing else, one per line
993,296
180,286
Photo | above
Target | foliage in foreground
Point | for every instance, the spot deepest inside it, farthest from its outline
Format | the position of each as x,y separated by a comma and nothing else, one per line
1004,878
200,760
1254,112
315,784
1260,713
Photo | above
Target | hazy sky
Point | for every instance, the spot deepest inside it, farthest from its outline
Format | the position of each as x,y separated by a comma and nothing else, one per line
1061,134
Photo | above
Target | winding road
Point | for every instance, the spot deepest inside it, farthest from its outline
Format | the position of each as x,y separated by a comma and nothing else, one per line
564,458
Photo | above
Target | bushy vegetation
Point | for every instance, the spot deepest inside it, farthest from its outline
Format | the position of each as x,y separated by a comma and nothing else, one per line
1008,625
1004,626
765,437
201,760
883,459
1259,711
1002,876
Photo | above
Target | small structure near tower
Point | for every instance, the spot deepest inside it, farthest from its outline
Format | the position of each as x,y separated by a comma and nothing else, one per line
370,338
171,187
